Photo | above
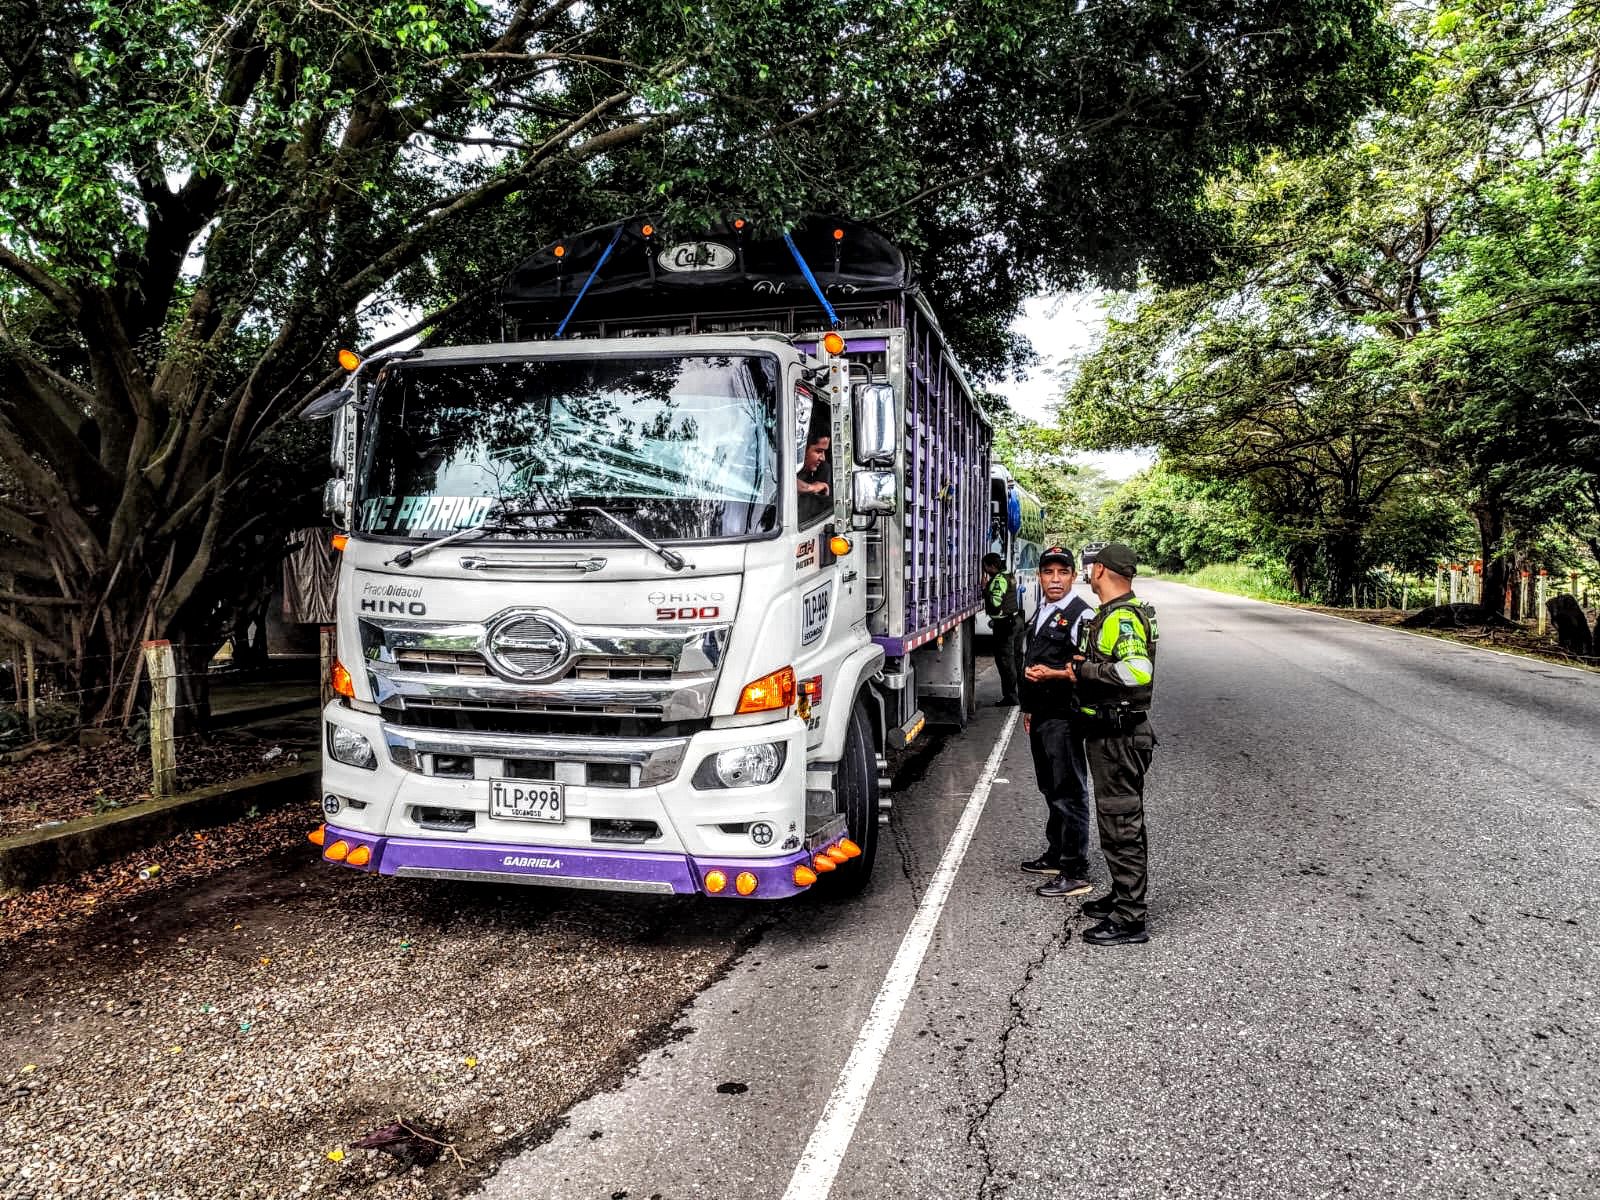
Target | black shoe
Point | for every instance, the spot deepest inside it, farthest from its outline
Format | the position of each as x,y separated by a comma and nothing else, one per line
1111,932
1064,885
1101,908
1006,702
1041,866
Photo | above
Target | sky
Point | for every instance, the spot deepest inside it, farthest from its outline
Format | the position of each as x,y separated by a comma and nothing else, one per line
1060,327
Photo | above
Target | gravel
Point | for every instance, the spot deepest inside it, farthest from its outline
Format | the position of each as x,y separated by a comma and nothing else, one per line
228,1028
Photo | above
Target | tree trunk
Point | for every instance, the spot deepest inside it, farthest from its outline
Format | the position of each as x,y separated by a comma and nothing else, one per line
1497,566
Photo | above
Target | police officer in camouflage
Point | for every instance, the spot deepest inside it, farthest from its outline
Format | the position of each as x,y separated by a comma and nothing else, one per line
1115,674
1000,605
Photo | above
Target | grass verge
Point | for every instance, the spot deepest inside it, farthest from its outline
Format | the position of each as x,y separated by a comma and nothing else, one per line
1238,579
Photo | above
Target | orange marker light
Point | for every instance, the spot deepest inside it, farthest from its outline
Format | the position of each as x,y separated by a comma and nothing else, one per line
804,876
839,544
318,835
349,360
715,881
838,855
337,851
559,252
823,863
745,883
851,850
838,235
648,230
343,684
770,692
738,222
360,856
833,343
339,541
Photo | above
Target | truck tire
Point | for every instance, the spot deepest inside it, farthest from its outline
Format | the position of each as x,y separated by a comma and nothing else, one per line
857,789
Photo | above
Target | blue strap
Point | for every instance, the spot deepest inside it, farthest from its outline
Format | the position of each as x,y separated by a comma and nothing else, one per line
604,254
812,280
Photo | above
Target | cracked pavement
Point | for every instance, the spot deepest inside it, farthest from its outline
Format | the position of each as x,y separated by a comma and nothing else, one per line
1375,887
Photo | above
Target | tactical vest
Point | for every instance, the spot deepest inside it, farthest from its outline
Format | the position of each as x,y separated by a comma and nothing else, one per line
1008,602
1133,698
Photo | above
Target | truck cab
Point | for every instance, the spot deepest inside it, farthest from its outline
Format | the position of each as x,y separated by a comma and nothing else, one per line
617,609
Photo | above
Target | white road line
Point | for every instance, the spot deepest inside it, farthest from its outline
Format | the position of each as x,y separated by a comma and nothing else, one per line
824,1153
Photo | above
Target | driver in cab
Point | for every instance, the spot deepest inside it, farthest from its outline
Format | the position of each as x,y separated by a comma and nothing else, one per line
812,480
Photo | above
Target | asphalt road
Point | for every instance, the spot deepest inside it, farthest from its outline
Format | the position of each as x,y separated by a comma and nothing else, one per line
1375,890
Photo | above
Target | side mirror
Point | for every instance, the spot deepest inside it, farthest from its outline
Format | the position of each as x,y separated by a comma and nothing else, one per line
874,421
328,403
874,493
344,424
336,500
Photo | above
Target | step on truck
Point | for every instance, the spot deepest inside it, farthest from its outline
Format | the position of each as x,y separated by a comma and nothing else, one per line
643,596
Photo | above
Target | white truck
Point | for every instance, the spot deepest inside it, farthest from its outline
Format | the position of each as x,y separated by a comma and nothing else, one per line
641,597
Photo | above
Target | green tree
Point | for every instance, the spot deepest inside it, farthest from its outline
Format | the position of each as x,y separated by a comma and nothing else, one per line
199,200
1409,312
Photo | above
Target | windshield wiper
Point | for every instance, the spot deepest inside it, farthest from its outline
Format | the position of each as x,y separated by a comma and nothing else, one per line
504,509
498,512
671,557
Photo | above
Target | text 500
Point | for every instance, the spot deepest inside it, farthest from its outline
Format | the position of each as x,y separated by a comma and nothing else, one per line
708,613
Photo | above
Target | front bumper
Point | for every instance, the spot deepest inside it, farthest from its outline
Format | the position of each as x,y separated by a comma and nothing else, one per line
563,866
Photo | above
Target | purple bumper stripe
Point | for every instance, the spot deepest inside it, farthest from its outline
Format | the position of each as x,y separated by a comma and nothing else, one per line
622,870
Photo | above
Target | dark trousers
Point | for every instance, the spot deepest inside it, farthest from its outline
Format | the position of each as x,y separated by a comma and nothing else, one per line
1007,653
1118,762
1058,763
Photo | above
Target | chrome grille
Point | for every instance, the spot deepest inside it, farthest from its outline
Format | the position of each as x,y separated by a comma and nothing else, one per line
530,646
419,661
596,666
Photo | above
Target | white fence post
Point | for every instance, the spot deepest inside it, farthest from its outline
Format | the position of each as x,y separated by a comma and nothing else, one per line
1540,597
162,668
1438,586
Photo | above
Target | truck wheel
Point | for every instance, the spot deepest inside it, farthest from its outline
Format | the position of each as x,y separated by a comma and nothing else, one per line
857,789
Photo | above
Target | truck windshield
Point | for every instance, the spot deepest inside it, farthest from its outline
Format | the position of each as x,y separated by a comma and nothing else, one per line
679,447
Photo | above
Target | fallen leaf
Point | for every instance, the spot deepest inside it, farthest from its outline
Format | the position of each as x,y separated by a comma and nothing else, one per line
335,1155
176,1050
30,1068
266,962
472,1062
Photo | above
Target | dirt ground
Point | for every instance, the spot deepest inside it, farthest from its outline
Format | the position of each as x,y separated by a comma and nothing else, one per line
65,782
230,1026
1512,641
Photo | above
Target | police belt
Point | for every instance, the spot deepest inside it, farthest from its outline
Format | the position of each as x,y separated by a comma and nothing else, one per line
1117,721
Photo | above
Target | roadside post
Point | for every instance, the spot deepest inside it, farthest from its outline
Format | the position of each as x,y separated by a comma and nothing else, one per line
1477,581
159,663
329,646
1543,594
1527,593
1455,583
1438,586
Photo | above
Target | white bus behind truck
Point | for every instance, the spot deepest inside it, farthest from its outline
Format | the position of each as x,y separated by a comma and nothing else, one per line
1017,536
598,624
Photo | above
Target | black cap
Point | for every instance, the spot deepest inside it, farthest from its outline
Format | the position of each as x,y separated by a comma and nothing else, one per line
1113,556
1058,554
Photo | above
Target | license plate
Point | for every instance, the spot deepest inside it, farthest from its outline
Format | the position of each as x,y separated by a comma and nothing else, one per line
528,800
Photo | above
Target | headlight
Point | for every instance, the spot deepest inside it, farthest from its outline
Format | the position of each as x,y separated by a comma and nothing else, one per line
351,748
742,766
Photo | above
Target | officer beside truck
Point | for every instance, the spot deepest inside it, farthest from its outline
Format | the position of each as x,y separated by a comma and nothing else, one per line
1115,674
1001,606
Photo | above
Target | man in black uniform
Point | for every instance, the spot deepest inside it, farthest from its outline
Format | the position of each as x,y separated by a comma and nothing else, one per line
1115,673
1050,717
1000,604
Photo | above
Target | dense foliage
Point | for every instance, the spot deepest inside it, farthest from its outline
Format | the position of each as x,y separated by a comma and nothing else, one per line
198,200
1405,336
